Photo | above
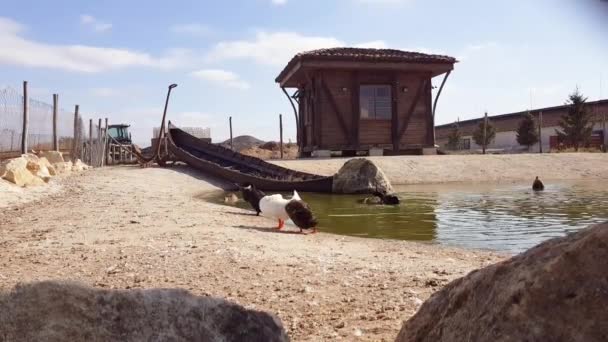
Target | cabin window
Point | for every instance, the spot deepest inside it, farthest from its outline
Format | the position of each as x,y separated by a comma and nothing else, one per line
375,102
466,144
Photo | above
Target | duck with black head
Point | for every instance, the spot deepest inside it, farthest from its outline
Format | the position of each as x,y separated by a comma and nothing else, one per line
252,196
538,185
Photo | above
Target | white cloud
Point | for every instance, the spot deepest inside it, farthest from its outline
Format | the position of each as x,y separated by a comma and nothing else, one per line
94,23
191,29
275,48
222,77
20,51
279,2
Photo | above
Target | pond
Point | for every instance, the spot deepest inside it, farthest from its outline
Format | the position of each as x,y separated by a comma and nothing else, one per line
502,217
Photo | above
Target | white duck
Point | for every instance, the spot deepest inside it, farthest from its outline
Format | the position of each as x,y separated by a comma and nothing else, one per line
273,206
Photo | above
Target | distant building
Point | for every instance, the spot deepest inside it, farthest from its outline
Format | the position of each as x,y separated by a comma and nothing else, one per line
506,128
355,100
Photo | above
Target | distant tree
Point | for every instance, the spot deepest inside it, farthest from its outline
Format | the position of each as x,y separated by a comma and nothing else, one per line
454,137
576,125
489,135
527,134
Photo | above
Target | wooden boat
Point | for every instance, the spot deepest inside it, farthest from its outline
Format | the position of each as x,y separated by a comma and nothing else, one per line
234,167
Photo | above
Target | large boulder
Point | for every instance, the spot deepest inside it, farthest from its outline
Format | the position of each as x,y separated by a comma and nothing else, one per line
40,167
20,171
360,175
556,291
52,156
55,311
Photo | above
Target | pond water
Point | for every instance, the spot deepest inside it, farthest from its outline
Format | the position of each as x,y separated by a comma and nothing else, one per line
503,217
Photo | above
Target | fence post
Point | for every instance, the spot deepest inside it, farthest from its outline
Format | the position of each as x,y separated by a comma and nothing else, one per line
281,134
24,133
75,138
485,125
98,152
91,142
105,142
230,121
540,132
55,109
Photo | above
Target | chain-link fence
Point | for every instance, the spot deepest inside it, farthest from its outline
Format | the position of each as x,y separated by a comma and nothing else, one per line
11,121
72,131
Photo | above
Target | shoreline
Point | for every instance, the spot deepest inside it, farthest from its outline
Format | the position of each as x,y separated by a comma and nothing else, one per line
126,227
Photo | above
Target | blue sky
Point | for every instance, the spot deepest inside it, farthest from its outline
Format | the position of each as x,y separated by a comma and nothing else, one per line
116,58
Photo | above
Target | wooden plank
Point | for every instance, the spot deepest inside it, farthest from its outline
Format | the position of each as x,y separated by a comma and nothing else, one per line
316,106
293,70
434,68
336,110
412,107
430,123
355,107
395,112
281,134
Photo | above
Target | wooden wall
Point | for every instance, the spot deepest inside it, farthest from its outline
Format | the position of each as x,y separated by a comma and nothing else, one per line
323,111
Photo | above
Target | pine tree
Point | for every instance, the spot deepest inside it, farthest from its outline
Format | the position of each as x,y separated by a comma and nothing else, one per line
527,134
576,125
490,134
454,138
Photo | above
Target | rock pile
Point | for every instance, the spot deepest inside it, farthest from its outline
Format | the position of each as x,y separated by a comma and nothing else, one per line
556,291
31,169
55,311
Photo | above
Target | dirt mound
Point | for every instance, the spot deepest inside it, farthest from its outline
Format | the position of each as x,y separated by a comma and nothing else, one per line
290,151
53,311
243,142
556,291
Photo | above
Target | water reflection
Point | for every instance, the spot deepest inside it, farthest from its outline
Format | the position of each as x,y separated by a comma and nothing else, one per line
508,217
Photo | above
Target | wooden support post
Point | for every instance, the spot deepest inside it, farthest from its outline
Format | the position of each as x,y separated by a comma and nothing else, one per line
104,157
55,112
98,149
91,142
281,134
230,122
540,132
25,131
485,124
76,135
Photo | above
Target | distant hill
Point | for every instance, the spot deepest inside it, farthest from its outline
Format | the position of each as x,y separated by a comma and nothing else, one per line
243,142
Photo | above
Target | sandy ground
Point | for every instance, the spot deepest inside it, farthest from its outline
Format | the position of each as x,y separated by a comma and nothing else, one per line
126,227
11,195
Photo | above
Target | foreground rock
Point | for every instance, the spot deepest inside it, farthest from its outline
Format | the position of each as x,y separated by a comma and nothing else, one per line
20,171
52,311
359,176
556,291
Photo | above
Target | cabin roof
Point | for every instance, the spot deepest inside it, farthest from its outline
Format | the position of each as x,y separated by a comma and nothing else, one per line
349,54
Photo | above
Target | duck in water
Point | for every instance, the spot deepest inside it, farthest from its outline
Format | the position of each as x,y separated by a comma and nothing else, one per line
380,197
538,185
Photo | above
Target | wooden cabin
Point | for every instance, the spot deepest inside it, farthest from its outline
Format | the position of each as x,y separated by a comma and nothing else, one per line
355,100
